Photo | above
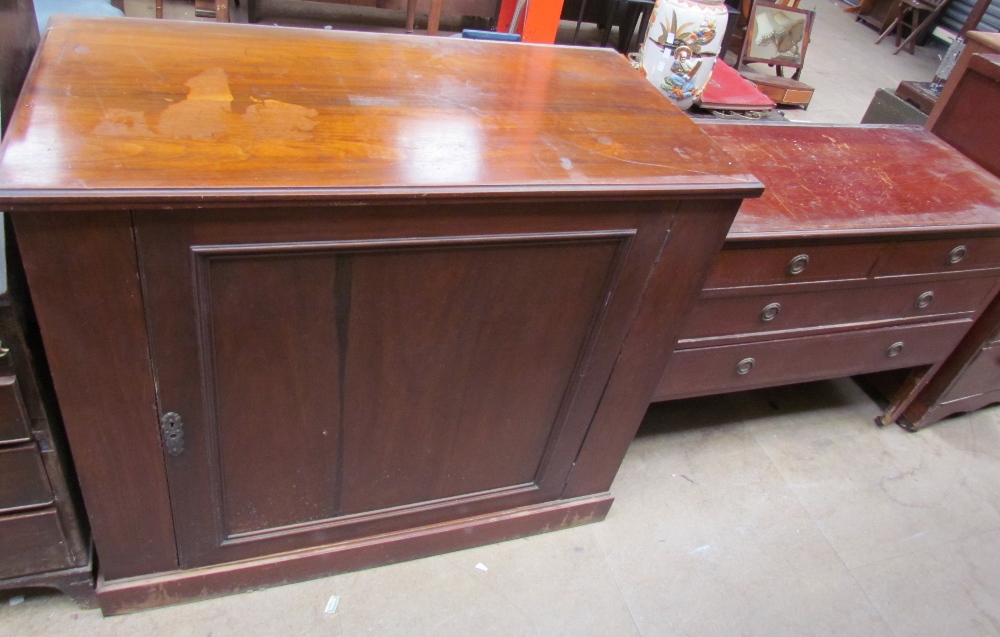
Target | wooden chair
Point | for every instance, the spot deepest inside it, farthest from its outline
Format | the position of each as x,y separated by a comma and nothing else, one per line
920,14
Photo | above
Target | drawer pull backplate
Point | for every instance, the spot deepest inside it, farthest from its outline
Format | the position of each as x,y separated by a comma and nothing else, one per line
770,311
894,349
798,264
744,366
924,300
957,254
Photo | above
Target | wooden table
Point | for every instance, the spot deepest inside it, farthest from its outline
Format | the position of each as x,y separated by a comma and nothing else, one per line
873,248
315,301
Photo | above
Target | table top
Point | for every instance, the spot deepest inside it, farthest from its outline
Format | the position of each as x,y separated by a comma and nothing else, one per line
856,180
168,111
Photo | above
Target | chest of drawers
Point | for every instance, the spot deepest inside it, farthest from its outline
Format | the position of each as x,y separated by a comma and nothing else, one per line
42,540
873,248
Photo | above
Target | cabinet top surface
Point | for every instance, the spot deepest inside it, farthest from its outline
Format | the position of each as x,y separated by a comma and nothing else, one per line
823,180
142,106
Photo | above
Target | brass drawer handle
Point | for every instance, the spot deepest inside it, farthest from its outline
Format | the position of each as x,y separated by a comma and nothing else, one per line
798,264
770,311
744,366
924,300
894,349
957,254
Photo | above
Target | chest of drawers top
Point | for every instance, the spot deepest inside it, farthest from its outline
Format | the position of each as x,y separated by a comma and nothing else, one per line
856,181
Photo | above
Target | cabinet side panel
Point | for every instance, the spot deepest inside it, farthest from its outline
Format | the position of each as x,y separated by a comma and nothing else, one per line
84,284
695,239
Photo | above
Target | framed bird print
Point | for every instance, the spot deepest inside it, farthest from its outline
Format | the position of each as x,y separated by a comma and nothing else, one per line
777,35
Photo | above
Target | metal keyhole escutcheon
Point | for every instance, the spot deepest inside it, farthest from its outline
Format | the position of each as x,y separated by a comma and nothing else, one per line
172,430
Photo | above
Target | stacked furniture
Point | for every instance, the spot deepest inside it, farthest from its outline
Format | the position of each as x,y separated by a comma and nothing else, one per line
873,248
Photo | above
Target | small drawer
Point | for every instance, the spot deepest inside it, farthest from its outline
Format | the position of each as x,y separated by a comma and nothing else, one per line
13,415
727,316
22,478
32,543
713,370
941,255
740,267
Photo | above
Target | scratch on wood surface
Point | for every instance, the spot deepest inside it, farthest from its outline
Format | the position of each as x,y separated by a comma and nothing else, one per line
622,159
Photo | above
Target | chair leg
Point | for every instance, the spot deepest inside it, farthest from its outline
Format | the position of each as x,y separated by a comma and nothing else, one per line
579,20
159,9
434,17
640,39
608,19
627,26
915,34
892,26
411,15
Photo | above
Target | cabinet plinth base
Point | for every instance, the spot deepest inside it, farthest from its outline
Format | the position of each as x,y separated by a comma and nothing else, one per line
133,594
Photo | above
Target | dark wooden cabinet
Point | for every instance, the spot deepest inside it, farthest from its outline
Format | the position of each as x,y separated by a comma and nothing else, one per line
873,248
42,540
332,318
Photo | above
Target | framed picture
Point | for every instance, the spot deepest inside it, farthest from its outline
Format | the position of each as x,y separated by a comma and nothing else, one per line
777,35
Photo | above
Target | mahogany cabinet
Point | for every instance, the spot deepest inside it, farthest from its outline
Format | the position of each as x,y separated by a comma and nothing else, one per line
318,301
873,248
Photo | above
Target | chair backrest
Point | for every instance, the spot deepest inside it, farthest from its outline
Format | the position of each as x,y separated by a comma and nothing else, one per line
18,41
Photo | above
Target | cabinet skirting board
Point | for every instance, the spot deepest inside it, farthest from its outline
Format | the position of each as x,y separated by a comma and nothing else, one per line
133,594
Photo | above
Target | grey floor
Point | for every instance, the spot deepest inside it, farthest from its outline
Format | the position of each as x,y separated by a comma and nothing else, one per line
777,512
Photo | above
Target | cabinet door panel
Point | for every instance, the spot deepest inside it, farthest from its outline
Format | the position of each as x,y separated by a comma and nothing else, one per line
337,381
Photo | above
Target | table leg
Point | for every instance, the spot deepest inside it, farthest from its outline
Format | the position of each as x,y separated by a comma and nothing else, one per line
434,19
411,14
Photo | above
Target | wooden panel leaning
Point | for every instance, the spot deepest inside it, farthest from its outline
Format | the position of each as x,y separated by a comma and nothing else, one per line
872,248
970,378
332,317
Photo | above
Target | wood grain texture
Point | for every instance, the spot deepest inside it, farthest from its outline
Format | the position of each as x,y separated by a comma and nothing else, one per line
279,111
85,289
856,180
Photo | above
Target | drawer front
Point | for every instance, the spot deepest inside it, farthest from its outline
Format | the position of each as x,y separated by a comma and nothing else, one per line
797,310
739,267
711,370
13,415
941,255
22,478
32,543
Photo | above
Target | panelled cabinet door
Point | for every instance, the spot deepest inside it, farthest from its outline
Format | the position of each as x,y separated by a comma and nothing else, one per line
331,374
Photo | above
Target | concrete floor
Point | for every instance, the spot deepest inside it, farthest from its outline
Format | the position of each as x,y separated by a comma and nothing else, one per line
777,512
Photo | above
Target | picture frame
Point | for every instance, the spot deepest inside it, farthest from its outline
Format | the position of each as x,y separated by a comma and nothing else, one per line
777,35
